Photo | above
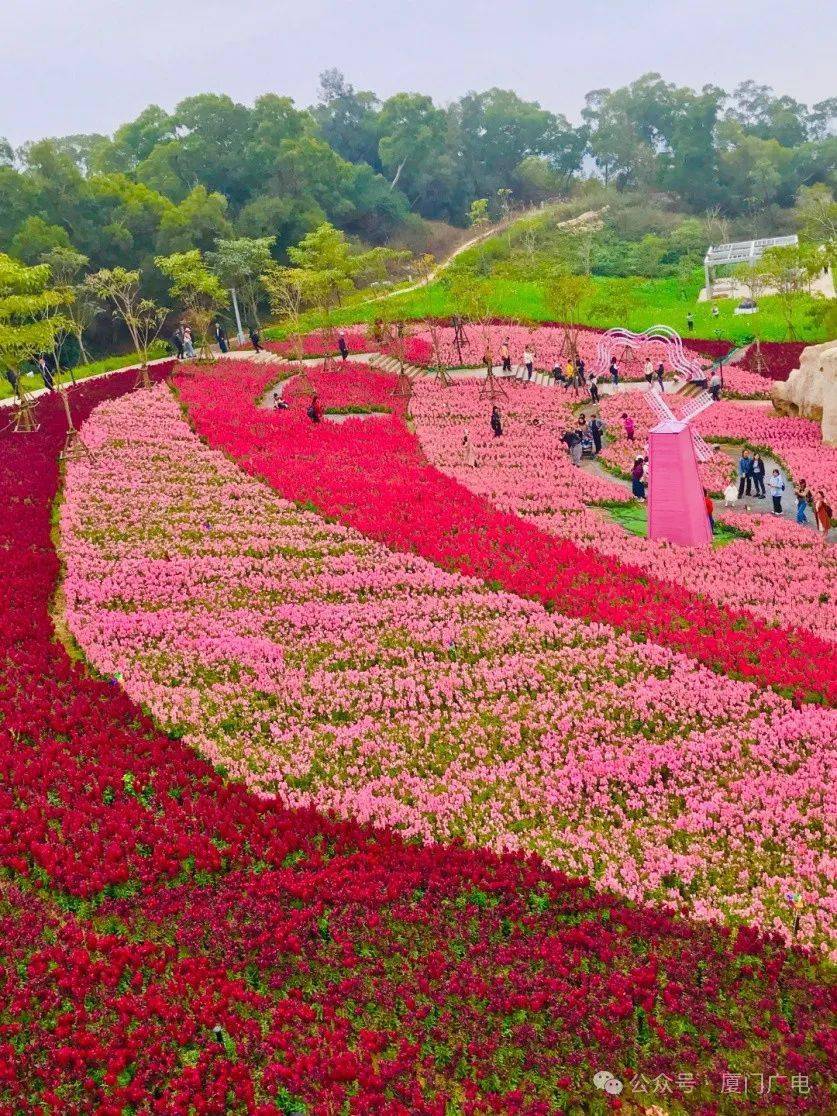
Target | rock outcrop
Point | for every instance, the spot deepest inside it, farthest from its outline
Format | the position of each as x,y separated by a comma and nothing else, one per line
811,389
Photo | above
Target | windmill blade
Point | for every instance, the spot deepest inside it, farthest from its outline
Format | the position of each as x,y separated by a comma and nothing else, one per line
659,406
696,406
703,452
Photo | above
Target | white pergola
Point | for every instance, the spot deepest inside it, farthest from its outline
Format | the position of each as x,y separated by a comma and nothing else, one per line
742,251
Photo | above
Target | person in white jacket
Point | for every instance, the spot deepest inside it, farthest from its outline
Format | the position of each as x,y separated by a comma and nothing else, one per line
776,486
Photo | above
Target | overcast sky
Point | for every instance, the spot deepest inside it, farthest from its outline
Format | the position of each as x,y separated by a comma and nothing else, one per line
89,65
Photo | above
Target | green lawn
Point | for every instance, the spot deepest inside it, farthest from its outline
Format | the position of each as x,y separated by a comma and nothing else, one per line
660,302
634,518
94,368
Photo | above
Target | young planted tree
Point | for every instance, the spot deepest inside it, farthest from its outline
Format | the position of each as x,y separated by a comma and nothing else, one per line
565,294
788,272
240,265
141,316
199,291
30,318
67,267
288,298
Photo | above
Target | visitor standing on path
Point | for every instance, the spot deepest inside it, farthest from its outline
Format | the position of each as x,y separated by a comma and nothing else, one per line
177,341
221,337
529,361
660,374
614,372
188,347
256,338
496,421
745,474
801,494
628,423
776,484
690,322
758,476
715,385
596,431
593,385
46,374
637,481
823,514
581,372
649,371
488,361
341,345
505,356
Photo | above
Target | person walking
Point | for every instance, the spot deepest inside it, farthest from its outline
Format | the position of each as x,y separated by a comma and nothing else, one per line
221,337
801,494
581,372
715,385
823,514
177,341
529,361
46,373
628,423
505,356
745,474
256,338
488,362
649,371
596,431
690,322
341,345
660,374
710,510
496,421
188,347
637,478
614,372
758,476
593,386
776,484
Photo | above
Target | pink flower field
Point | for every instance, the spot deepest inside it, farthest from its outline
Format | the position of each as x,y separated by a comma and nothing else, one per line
319,666
784,573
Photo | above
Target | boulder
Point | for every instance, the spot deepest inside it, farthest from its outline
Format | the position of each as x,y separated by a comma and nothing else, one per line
811,389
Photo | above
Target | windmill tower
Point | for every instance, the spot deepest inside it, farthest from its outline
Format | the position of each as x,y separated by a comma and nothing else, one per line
676,507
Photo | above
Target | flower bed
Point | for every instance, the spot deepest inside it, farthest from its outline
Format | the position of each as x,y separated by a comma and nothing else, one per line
528,472
342,968
779,358
321,343
374,477
317,665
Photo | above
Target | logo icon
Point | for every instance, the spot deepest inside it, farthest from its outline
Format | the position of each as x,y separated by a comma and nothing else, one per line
605,1081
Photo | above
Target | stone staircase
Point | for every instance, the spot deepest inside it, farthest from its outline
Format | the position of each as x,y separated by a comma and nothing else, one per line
390,364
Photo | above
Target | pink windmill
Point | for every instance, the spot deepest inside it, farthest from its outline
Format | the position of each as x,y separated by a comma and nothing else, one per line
676,506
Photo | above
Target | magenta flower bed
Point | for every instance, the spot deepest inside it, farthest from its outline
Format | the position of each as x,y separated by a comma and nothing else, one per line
779,357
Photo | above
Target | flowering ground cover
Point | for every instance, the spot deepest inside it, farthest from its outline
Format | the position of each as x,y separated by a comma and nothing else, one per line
374,477
779,358
528,472
317,665
173,943
321,344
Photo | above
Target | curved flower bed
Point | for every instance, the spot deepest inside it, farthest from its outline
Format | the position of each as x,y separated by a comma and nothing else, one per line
373,476
317,665
173,943
528,472
322,344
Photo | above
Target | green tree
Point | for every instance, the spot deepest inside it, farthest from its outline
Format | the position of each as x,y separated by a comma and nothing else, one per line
67,267
198,289
141,316
240,263
788,271
35,237
348,119
198,222
30,317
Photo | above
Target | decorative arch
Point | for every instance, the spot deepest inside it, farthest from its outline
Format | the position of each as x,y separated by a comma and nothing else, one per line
680,361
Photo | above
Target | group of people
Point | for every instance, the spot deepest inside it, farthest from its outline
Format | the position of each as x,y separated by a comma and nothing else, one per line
585,437
184,345
754,481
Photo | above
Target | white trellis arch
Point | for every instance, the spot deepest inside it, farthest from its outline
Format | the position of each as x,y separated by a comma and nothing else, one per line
680,361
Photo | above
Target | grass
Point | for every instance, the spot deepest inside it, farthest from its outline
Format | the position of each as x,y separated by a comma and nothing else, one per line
83,371
658,302
634,518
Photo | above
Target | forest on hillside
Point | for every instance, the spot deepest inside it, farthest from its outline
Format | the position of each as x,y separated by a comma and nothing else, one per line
401,170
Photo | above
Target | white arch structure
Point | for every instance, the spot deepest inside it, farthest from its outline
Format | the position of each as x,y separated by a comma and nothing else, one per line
682,363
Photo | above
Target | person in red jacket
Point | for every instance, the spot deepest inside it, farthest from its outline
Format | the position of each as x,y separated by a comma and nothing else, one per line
710,510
